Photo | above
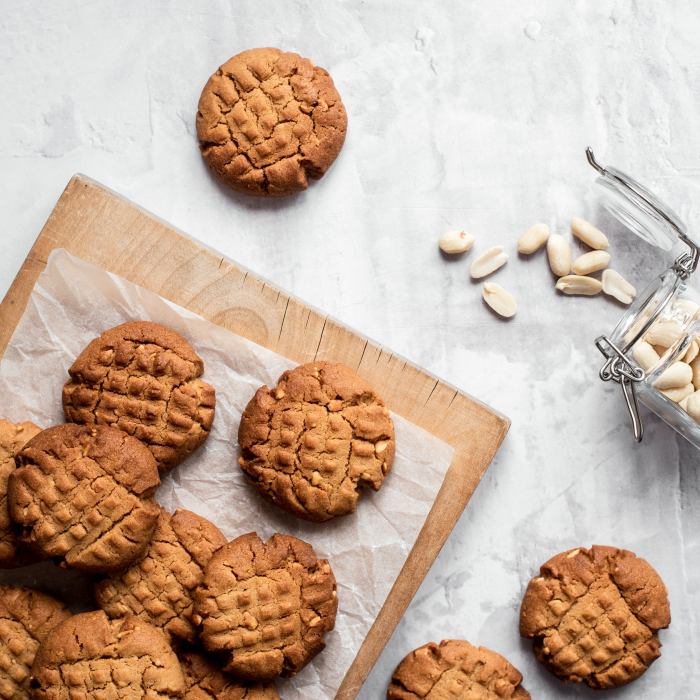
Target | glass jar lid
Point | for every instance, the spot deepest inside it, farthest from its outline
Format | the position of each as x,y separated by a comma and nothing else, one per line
637,208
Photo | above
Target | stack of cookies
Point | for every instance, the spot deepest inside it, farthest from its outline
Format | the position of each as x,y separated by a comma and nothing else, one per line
182,611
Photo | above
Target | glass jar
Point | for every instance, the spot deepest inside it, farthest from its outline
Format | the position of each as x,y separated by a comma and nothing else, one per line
662,326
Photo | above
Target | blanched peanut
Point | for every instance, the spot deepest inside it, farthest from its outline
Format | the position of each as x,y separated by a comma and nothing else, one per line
488,262
533,239
679,393
684,403
455,242
615,285
695,366
692,406
559,255
664,333
674,376
687,307
591,262
692,352
500,300
576,284
645,355
589,234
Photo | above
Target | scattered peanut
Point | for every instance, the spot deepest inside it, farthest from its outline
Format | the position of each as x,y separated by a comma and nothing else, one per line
488,262
576,284
559,255
615,285
533,239
455,242
676,375
645,355
591,262
500,300
677,394
589,234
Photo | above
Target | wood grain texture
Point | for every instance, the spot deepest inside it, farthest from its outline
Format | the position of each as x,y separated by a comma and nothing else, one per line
107,230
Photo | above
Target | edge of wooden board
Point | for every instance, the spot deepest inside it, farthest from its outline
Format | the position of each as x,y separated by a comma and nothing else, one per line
137,245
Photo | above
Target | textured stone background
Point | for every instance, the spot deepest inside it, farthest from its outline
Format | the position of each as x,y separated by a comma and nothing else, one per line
462,114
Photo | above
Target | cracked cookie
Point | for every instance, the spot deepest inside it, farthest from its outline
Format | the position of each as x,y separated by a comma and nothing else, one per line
204,681
84,496
314,440
145,379
455,670
265,606
268,121
594,615
92,657
159,587
26,617
13,437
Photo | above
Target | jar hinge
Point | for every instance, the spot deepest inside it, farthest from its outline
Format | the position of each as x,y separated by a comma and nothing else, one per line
687,263
619,368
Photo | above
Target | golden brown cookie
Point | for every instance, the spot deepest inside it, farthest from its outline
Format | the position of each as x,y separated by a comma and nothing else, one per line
455,670
84,496
26,617
594,615
265,606
314,440
204,680
269,120
143,378
89,657
13,437
159,587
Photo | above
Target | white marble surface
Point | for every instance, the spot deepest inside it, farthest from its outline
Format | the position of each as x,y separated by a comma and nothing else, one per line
462,114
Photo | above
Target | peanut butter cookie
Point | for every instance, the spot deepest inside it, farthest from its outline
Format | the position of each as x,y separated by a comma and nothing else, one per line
89,657
143,378
84,496
159,587
26,617
13,437
455,670
266,606
594,615
204,680
269,120
314,440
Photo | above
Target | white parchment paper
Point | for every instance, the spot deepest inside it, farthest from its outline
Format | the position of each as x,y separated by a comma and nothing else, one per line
72,303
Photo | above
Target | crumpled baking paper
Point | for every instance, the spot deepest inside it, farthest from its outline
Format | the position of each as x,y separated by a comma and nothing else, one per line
72,303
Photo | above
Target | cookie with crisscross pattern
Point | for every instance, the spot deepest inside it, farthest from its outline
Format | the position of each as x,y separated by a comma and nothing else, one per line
594,615
83,495
265,606
89,657
159,587
204,680
26,618
143,378
13,437
455,670
315,440
269,120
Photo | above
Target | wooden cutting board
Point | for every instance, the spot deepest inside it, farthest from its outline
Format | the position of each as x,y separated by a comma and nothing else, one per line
111,232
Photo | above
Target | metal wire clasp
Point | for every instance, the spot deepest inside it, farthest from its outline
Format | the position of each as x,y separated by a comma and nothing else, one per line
619,368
